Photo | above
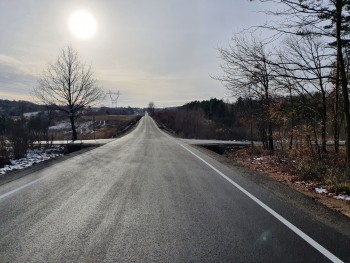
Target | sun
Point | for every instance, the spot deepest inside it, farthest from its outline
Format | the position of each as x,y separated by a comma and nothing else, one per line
82,24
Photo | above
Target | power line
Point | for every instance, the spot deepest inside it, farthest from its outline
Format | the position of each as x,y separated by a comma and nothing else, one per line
114,96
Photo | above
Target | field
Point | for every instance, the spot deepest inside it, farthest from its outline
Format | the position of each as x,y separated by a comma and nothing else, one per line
93,127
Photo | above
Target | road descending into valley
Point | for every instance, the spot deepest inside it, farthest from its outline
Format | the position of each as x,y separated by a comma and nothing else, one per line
148,197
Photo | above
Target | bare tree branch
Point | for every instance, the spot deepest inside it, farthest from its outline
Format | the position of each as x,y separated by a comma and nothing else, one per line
68,85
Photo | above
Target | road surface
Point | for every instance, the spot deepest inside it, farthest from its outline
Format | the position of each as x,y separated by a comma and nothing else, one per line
147,197
218,142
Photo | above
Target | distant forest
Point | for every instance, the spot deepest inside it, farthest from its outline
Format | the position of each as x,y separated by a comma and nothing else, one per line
208,119
17,108
296,123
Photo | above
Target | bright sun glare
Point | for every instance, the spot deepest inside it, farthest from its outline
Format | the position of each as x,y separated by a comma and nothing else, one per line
82,24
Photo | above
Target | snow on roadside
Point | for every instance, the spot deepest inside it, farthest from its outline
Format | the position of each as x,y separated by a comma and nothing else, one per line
342,197
32,157
321,190
256,160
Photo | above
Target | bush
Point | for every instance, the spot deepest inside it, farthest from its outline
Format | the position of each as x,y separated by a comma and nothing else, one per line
336,180
309,169
19,146
332,176
4,154
19,140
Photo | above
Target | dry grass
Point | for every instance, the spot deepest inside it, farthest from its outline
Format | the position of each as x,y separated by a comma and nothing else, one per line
105,127
117,118
282,169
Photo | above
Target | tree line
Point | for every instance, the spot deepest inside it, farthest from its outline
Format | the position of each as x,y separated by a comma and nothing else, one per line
298,76
19,134
207,119
17,108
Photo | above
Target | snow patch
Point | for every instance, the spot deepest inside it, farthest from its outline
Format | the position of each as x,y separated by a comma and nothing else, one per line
308,185
342,197
257,160
86,127
61,126
321,190
32,157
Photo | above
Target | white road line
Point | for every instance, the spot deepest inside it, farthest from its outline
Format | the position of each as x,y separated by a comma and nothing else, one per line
284,221
296,230
19,188
33,182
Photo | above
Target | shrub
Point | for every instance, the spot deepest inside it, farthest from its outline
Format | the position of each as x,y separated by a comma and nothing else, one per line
336,179
4,153
309,169
19,140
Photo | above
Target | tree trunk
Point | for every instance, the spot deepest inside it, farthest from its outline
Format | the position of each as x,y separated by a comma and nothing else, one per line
336,116
251,134
74,132
344,82
292,120
324,123
269,123
263,137
270,138
316,142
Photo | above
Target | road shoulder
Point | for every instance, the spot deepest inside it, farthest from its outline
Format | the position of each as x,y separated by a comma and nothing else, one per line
17,174
308,204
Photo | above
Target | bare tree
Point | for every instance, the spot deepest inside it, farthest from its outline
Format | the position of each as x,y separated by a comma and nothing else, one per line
151,108
247,73
68,85
305,62
327,18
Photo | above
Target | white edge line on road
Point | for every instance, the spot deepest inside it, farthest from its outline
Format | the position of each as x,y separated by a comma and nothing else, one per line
296,230
19,188
32,182
280,218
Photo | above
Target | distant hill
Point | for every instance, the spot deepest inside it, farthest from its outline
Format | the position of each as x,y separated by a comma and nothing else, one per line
17,108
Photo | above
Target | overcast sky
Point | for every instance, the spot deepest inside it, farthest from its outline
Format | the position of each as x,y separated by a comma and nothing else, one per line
150,50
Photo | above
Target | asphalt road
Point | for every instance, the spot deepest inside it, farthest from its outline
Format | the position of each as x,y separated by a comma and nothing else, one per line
147,197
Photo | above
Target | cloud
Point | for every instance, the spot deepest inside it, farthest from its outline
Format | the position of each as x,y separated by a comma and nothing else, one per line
162,51
15,78
138,87
7,60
